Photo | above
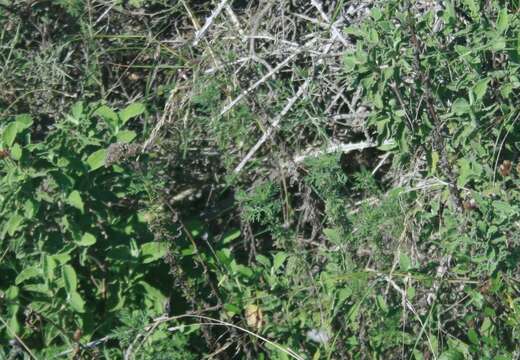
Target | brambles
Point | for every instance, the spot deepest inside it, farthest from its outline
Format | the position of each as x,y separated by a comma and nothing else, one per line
290,179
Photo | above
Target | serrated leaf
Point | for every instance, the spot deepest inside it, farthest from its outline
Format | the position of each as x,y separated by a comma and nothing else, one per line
27,273
502,21
9,134
131,111
153,251
87,240
75,200
69,278
76,302
97,159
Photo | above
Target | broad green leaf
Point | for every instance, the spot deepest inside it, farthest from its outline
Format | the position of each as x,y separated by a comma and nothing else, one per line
87,240
30,208
38,288
153,251
77,110
9,134
498,43
12,293
13,224
23,121
504,208
451,354
16,152
473,337
70,278
373,36
460,106
76,302
13,326
464,172
126,136
333,235
502,21
480,88
97,159
27,273
108,115
404,262
75,200
131,111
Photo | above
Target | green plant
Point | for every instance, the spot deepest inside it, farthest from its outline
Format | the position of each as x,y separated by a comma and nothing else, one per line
76,247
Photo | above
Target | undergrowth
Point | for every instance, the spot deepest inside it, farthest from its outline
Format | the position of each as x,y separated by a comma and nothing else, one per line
299,180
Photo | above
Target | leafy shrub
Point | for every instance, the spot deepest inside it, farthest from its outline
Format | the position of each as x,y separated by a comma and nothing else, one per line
75,244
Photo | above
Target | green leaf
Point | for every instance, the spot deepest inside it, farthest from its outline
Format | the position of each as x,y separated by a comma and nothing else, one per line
75,200
27,273
109,116
49,264
97,159
464,172
333,235
16,152
460,106
498,43
230,236
13,325
473,337
126,136
451,354
131,111
69,278
480,88
9,134
13,224
435,161
23,121
153,251
373,36
382,303
404,262
76,302
278,260
87,240
502,21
